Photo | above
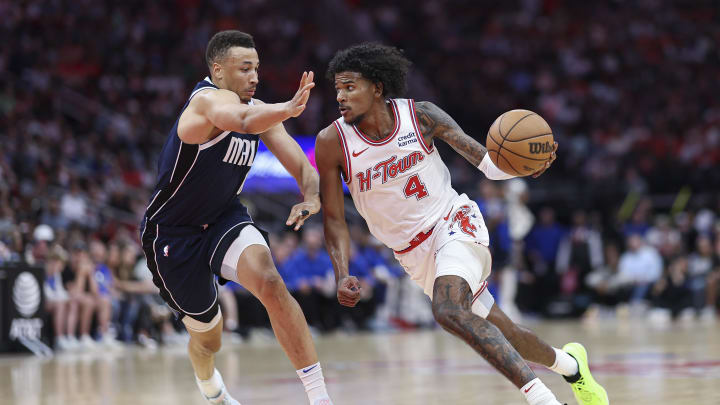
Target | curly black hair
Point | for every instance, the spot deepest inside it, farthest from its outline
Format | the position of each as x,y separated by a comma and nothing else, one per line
375,62
224,40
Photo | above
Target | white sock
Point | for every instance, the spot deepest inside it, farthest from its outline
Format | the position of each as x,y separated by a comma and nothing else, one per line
564,364
536,393
211,387
314,382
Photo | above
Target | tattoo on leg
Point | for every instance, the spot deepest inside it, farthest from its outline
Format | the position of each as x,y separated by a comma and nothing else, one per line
527,343
451,306
532,348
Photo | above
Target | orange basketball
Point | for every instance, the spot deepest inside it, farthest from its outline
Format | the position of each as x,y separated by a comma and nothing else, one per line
519,142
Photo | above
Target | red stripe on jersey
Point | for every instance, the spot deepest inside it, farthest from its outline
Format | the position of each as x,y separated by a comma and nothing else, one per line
346,157
483,286
389,137
418,133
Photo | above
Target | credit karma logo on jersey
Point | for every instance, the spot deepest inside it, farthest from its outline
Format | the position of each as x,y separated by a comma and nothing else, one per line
407,139
388,169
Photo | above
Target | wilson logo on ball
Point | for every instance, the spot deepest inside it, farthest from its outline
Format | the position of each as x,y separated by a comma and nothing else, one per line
540,147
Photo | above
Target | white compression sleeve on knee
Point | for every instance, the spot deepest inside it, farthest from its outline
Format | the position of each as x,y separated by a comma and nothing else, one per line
491,171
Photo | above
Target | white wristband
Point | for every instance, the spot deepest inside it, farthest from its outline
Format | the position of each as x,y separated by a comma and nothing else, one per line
491,171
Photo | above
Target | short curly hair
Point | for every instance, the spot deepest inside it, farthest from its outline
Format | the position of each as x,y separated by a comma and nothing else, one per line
224,40
375,62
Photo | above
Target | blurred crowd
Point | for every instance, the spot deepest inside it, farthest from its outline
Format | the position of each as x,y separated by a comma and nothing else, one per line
654,264
625,222
545,264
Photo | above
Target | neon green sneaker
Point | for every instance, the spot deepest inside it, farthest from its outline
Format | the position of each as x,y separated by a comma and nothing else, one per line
587,391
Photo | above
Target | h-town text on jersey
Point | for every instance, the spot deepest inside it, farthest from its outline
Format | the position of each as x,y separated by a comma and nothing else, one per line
388,169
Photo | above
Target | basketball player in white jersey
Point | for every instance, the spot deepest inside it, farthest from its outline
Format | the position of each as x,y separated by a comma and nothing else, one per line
195,227
383,148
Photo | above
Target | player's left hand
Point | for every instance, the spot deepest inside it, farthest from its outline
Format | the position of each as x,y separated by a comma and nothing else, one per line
300,212
548,163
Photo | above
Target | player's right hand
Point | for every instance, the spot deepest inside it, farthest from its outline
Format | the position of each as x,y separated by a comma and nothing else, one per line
297,105
348,291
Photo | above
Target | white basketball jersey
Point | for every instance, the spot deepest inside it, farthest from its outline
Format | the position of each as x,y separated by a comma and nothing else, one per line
399,185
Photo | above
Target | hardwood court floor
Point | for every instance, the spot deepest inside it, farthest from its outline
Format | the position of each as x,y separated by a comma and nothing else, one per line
638,364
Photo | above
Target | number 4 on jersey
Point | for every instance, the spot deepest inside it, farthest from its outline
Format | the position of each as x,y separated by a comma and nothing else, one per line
415,187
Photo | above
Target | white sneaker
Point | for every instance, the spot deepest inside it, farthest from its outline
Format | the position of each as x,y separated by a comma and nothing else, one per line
109,342
708,314
87,343
147,342
687,315
223,398
63,344
72,343
659,316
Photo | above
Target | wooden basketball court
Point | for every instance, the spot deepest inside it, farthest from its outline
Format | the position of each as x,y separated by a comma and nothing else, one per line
638,364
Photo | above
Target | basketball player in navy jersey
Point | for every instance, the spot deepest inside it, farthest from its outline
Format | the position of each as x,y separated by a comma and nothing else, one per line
383,148
195,228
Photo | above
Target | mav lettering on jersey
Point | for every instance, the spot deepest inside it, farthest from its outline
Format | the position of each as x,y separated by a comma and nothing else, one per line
240,152
388,169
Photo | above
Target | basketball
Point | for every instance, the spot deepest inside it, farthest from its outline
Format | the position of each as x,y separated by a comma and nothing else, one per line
519,142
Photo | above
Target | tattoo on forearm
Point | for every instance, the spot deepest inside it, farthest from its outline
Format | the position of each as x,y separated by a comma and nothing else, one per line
451,305
436,123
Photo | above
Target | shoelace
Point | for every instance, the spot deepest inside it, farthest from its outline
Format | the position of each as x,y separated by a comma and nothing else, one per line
581,388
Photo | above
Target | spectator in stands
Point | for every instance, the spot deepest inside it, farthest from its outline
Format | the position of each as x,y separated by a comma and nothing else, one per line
663,237
580,252
56,297
639,267
103,293
311,273
672,292
385,273
701,263
360,267
79,282
713,284
604,283
639,220
543,242
36,252
539,282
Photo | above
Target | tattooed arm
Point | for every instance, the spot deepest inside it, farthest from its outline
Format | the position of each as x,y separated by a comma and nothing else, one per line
436,123
433,122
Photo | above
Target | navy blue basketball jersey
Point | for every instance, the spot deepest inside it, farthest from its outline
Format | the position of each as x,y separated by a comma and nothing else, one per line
197,183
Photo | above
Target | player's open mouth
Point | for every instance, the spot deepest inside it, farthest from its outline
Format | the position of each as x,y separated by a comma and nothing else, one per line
343,110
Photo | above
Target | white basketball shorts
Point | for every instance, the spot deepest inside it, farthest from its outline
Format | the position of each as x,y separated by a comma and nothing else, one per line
458,246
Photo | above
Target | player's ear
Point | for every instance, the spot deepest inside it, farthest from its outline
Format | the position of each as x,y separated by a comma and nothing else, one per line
379,88
217,70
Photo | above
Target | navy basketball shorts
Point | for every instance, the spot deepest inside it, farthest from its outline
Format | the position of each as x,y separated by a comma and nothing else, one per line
185,260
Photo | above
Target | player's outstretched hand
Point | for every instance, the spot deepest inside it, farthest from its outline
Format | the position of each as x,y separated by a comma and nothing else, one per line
300,212
548,163
297,105
348,291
